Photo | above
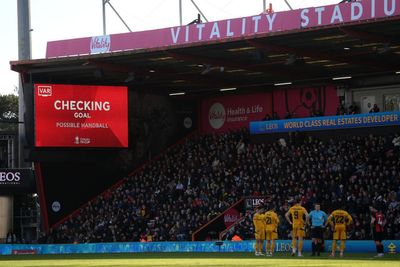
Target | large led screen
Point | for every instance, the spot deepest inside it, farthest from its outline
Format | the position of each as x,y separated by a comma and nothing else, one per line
81,116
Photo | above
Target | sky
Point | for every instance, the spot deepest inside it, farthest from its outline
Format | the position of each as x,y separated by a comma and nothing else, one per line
66,19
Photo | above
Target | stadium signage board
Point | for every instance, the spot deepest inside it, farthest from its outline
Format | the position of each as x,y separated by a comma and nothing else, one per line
247,27
326,123
233,112
17,181
231,216
254,202
352,246
81,116
220,114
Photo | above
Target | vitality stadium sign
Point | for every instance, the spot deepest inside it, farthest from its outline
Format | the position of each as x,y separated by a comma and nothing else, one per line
231,29
81,116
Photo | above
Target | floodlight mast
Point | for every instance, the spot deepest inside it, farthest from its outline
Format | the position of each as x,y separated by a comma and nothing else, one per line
24,53
180,12
103,2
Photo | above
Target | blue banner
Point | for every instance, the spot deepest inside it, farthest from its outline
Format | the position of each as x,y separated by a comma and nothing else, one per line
283,246
326,123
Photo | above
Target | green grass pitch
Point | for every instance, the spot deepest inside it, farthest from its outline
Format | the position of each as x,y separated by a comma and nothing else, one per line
195,259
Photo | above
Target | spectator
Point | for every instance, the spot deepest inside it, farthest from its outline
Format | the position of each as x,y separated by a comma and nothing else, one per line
396,142
374,109
267,117
353,109
196,181
275,116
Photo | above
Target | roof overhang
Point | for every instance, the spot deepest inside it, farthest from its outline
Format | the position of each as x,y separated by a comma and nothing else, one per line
369,47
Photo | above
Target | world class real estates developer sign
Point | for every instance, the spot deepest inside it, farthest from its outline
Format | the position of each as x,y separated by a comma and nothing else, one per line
81,116
326,123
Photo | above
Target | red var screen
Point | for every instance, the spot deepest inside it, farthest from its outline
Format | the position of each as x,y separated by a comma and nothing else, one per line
81,116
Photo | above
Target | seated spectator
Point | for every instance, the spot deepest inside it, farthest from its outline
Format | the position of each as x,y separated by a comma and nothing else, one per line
173,197
396,142
374,109
275,116
267,117
353,109
340,110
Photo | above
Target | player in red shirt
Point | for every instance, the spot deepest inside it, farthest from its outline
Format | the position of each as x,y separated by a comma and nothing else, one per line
378,228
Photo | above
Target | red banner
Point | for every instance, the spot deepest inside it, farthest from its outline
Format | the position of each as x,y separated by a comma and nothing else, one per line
233,112
306,102
81,116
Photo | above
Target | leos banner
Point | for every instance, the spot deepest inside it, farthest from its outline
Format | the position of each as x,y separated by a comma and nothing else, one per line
81,116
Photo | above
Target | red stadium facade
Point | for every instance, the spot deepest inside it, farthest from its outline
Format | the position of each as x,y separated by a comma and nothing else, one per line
294,63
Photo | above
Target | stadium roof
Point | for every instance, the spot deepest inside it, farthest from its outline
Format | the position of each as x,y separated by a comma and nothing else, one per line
322,54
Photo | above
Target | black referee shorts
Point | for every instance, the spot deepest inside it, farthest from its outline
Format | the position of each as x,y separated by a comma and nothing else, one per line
317,232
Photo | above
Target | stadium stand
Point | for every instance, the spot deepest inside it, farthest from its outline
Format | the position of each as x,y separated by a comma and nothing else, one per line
193,182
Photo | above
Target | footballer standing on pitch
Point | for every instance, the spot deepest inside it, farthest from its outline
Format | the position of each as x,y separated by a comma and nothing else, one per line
297,216
339,220
271,230
318,220
259,230
377,227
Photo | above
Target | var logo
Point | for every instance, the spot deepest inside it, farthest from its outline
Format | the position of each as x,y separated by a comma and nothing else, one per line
45,90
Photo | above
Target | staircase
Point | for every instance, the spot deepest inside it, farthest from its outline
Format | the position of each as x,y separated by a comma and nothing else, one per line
218,227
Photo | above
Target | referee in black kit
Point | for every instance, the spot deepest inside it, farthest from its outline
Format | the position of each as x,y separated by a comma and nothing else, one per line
318,220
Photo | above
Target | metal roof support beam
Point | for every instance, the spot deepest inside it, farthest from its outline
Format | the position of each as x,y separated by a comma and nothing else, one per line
367,36
116,12
355,60
159,74
218,62
198,9
287,3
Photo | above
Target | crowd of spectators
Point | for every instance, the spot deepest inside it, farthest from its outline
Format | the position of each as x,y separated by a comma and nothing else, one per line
197,180
358,172
291,115
351,110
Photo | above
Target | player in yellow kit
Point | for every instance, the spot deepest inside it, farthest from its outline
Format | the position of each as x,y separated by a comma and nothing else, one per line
259,230
339,220
297,216
271,230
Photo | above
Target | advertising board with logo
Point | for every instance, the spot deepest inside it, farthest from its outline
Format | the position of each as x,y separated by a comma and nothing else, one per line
17,181
285,246
81,116
231,216
233,112
225,113
254,202
100,44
